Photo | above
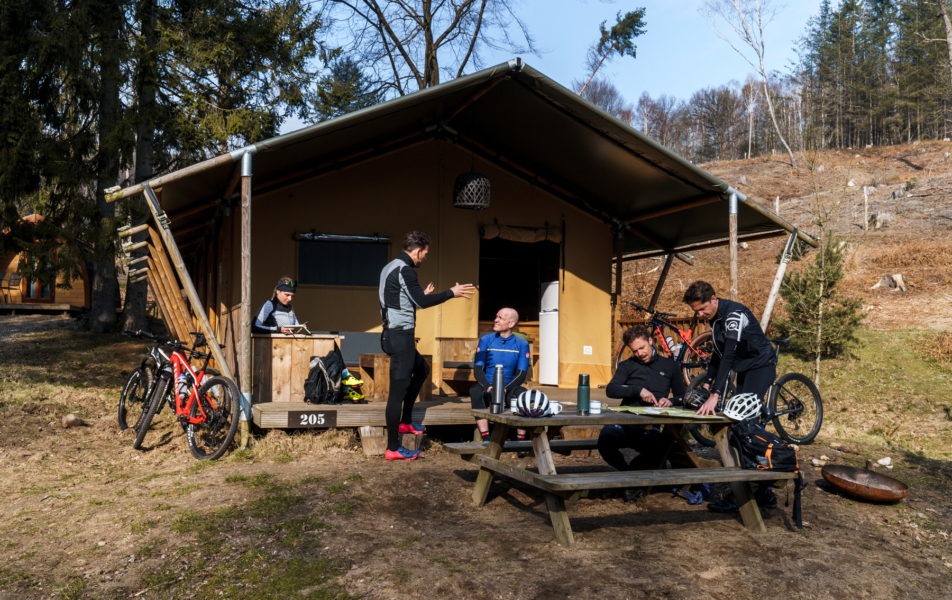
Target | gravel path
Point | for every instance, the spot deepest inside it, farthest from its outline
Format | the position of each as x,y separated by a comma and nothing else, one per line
13,326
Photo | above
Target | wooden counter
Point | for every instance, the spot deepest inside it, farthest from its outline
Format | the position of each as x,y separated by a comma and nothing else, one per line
280,363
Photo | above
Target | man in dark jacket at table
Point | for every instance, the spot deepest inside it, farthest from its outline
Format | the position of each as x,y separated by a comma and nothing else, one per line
646,379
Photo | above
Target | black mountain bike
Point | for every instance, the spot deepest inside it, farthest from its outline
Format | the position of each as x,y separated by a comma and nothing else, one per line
793,406
133,401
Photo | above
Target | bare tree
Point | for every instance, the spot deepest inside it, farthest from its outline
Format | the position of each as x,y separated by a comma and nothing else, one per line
751,98
606,96
747,20
411,43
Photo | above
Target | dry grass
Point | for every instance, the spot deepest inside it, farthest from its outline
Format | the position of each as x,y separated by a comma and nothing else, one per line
278,444
941,348
930,257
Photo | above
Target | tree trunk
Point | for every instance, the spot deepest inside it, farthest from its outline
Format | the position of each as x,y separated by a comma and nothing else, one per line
133,312
431,65
819,315
773,117
105,287
948,31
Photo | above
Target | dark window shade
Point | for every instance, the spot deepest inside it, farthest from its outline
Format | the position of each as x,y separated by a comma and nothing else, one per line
341,263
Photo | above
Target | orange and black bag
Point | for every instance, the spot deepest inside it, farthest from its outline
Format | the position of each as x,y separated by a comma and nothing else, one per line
762,450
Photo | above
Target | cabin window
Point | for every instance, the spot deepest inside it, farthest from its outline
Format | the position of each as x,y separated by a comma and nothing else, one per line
352,263
33,290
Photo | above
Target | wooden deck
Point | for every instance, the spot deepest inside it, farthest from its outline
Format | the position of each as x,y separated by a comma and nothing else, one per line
39,307
298,415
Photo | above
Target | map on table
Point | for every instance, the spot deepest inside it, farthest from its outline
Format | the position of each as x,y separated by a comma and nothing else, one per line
654,411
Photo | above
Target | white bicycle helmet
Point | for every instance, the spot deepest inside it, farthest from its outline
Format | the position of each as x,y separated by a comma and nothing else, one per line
532,403
742,407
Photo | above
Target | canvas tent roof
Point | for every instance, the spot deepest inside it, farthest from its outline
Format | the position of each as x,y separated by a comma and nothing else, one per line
520,120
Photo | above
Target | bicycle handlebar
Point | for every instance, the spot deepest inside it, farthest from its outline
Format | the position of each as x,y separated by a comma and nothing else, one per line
652,312
176,344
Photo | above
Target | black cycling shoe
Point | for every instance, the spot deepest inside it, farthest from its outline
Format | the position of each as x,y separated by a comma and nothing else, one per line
632,495
728,504
767,499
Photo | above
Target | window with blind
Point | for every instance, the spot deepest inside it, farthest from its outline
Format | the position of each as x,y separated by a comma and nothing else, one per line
352,263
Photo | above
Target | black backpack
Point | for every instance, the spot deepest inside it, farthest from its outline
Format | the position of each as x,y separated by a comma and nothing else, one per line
762,450
323,379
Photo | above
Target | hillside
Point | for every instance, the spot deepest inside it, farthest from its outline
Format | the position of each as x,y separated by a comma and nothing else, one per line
912,187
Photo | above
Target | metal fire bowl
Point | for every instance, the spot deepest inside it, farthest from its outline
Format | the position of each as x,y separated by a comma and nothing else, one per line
865,484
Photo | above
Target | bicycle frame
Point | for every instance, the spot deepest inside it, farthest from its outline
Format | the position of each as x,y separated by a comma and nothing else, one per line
180,365
656,323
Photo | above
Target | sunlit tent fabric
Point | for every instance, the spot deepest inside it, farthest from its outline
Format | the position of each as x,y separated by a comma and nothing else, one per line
525,123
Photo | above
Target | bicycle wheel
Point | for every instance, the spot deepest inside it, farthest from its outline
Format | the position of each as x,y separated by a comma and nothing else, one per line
701,431
155,401
211,438
133,401
796,392
703,349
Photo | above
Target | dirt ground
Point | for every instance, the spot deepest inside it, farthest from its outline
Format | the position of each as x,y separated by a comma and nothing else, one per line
297,516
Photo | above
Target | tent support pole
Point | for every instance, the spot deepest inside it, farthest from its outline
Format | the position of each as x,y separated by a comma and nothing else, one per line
778,279
619,268
732,210
664,276
244,334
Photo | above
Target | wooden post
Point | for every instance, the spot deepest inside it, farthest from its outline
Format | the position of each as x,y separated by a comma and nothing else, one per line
865,208
777,206
664,275
244,333
619,269
173,252
732,223
778,279
743,493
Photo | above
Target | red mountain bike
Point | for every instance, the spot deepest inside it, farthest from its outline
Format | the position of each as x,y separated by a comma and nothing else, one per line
692,354
207,405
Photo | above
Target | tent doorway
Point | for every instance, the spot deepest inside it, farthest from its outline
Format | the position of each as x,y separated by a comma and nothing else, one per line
511,275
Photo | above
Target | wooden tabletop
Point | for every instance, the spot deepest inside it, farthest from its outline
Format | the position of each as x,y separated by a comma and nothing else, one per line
299,336
608,417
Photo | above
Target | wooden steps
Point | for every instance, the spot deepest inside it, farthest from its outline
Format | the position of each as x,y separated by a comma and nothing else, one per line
298,415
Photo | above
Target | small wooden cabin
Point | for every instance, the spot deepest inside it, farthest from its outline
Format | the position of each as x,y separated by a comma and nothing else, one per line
28,294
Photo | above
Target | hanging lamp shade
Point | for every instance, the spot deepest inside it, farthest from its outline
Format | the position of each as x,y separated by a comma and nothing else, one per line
471,191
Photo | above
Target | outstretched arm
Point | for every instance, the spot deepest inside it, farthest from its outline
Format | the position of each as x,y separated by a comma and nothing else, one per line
618,387
421,299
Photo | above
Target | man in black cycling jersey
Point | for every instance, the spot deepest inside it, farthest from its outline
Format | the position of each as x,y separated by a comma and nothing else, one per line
741,347
400,295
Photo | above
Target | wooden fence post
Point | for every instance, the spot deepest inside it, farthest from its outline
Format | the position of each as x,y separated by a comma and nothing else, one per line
732,212
244,334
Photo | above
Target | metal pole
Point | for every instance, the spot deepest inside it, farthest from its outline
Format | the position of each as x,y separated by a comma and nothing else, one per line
732,212
244,334
619,268
664,276
778,279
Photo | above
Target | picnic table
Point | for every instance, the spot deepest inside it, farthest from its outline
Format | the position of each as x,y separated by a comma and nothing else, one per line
558,487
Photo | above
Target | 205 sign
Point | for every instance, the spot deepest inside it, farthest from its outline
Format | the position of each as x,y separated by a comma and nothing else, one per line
312,418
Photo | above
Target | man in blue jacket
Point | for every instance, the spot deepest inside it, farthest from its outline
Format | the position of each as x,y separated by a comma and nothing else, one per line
504,348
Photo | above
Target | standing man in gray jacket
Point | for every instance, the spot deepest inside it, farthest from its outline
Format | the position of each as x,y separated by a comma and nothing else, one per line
400,295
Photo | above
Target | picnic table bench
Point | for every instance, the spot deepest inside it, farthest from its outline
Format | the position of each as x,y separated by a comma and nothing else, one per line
558,487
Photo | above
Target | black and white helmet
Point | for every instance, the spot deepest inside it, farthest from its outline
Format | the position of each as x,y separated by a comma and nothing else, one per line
696,397
742,407
532,404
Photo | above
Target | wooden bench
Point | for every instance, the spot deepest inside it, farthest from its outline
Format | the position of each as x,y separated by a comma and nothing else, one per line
374,370
563,447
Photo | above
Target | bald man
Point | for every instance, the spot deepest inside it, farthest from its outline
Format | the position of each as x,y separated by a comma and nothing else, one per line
499,348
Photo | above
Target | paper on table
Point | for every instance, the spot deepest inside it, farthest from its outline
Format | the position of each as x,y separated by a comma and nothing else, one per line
654,411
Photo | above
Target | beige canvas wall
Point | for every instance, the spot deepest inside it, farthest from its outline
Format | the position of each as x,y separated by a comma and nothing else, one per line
413,190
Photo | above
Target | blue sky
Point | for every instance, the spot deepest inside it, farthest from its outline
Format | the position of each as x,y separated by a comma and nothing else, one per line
677,55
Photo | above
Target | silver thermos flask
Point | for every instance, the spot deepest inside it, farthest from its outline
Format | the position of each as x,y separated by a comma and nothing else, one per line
499,391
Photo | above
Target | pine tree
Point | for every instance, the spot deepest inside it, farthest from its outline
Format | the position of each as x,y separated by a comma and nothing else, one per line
344,89
820,322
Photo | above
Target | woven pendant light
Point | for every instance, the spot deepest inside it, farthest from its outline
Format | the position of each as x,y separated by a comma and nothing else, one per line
471,191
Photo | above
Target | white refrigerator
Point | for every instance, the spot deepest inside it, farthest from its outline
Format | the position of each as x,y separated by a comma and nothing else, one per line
549,334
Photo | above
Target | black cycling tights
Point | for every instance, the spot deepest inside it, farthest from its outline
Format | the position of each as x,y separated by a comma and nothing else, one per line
408,373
